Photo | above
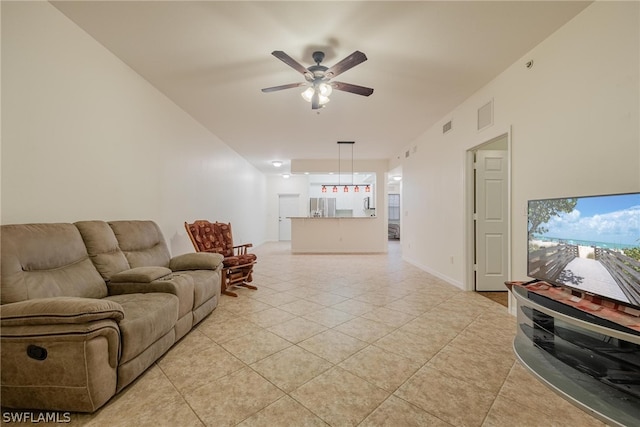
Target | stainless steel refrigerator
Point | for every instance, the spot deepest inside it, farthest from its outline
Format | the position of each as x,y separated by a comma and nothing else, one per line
322,207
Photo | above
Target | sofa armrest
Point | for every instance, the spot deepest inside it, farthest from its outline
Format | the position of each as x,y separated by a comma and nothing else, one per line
59,310
60,353
196,261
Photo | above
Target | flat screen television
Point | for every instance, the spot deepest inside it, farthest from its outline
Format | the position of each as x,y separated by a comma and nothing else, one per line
591,244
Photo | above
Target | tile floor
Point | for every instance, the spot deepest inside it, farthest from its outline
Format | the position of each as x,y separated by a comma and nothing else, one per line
499,297
346,340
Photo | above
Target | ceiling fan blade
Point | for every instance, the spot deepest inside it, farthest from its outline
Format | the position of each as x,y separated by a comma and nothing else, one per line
348,87
281,87
347,63
315,100
290,61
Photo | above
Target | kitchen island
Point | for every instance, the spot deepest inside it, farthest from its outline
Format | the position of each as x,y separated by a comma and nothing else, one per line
366,234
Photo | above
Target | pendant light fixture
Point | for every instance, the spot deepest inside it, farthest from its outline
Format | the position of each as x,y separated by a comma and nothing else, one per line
345,187
340,144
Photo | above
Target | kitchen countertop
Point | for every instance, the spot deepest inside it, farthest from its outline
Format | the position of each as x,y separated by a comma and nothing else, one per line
332,217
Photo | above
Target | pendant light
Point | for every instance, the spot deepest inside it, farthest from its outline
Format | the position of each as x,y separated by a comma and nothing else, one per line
345,187
340,143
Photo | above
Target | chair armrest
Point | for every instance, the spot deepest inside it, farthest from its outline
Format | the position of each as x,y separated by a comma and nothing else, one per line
59,310
196,261
242,249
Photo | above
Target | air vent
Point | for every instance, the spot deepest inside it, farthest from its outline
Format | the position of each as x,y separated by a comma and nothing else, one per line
485,115
407,154
447,127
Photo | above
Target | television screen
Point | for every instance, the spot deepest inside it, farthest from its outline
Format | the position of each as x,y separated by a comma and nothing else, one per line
591,244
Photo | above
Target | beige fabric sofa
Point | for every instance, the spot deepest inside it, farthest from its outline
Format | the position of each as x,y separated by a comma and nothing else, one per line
88,307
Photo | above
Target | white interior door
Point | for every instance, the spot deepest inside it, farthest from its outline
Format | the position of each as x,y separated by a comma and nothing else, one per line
492,228
288,206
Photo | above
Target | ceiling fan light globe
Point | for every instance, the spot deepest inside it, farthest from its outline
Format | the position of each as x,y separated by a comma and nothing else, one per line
307,94
325,89
323,99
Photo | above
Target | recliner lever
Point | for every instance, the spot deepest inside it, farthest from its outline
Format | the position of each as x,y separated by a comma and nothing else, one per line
36,352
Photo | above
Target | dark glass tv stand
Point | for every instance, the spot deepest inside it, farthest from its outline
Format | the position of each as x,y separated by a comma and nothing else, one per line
592,362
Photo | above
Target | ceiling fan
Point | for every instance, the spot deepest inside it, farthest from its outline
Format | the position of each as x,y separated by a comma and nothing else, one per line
318,77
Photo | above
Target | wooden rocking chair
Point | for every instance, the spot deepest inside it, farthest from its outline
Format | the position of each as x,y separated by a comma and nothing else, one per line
216,237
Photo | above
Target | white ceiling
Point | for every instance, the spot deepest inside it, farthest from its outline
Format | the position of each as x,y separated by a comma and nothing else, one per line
213,57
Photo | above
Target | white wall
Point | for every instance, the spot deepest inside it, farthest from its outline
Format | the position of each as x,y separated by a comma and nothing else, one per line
85,137
574,118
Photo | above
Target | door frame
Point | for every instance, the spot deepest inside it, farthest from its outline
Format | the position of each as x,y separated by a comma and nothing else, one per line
469,205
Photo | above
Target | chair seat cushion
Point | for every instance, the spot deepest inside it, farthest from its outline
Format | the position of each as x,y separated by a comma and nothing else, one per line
232,261
147,318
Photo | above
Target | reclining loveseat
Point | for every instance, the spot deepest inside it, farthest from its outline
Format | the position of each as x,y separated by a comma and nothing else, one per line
86,308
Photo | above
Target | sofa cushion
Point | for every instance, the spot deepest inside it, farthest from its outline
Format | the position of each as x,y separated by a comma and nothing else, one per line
176,284
140,275
142,243
102,247
46,260
147,317
206,283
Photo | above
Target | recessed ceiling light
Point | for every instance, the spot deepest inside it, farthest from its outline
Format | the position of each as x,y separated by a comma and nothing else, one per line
286,176
276,163
397,178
